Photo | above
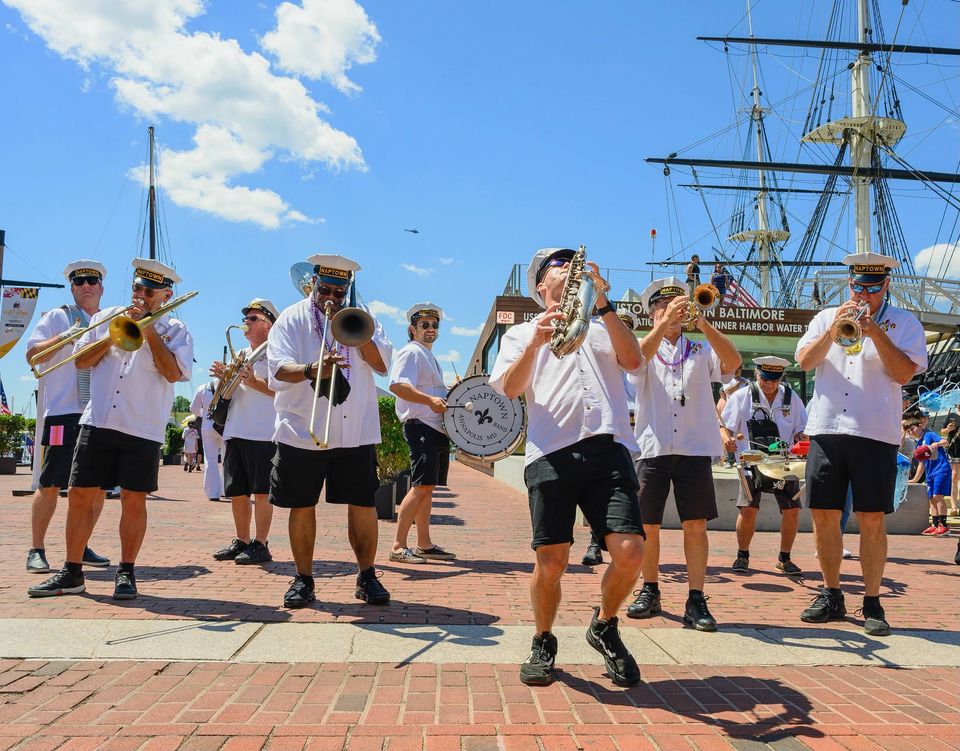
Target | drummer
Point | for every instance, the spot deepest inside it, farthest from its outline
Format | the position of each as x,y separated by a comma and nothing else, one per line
768,413
417,380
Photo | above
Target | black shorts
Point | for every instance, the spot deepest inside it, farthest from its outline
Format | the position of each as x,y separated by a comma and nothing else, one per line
595,474
297,476
693,491
107,458
429,453
246,467
783,492
57,458
838,461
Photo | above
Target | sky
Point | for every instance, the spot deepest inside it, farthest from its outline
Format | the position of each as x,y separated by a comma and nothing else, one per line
287,129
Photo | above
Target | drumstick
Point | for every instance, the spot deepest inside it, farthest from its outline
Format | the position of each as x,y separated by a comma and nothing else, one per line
466,405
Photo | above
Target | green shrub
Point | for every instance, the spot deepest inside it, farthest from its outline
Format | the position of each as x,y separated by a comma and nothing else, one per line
174,442
11,433
393,455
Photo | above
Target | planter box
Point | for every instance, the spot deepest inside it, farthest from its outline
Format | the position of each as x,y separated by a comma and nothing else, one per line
403,485
8,465
171,459
384,500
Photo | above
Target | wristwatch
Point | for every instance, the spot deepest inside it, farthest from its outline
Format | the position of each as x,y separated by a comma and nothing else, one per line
608,308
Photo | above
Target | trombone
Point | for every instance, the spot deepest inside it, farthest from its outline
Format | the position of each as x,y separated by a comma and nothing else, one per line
47,351
124,332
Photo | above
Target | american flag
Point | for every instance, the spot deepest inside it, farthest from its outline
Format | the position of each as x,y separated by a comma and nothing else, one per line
737,295
4,408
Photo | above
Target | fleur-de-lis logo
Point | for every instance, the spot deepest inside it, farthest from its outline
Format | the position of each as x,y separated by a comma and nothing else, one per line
887,325
483,416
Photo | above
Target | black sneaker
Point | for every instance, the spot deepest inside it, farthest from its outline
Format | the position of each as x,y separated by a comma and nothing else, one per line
697,615
61,583
92,559
230,552
300,593
537,669
256,552
37,561
593,556
605,638
124,586
956,558
789,568
741,565
646,605
370,589
825,607
874,620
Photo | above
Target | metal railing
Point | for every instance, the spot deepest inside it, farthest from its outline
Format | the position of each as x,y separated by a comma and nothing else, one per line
620,280
922,293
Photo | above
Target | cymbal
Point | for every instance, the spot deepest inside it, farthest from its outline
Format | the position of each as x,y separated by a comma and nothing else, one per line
780,469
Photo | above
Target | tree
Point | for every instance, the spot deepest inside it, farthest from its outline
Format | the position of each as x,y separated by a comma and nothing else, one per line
181,404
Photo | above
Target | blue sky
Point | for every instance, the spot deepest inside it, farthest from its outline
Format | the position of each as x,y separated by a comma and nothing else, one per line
493,128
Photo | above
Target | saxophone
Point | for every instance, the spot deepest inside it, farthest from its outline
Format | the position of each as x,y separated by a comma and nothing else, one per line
227,385
579,296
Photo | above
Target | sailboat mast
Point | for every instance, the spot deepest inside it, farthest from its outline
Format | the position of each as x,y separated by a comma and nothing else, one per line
763,238
152,202
861,148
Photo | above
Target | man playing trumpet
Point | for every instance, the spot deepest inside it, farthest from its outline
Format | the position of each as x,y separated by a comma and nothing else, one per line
302,349
854,428
122,427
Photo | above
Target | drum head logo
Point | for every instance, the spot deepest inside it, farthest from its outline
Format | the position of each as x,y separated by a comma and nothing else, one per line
483,416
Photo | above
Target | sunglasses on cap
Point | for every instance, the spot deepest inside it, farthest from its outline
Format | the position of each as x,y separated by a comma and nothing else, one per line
325,291
429,325
870,289
79,281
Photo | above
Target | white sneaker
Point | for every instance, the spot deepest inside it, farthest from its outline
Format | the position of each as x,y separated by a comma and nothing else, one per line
847,553
406,556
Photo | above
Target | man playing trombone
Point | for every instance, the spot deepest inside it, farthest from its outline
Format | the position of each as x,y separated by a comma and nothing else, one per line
313,354
123,425
863,352
248,433
65,392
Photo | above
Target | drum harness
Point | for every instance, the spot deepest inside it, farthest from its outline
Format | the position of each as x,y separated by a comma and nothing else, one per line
763,432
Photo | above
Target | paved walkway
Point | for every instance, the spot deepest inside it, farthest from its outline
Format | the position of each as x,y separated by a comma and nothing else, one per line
205,658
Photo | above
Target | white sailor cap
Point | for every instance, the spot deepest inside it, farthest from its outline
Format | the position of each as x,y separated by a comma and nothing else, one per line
771,367
537,264
337,268
629,318
264,306
422,309
151,273
870,267
84,267
669,286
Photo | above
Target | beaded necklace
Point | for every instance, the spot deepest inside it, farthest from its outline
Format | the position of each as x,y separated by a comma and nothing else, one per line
685,344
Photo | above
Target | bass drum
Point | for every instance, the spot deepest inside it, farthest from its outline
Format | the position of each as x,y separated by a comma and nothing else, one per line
491,428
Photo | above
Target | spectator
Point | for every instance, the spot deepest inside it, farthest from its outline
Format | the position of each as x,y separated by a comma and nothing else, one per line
693,272
720,280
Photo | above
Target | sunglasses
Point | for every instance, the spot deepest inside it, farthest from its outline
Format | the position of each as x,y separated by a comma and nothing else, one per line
79,281
253,319
338,292
552,263
870,289
145,291
429,325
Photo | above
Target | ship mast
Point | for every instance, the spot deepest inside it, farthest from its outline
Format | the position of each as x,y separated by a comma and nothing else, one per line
152,201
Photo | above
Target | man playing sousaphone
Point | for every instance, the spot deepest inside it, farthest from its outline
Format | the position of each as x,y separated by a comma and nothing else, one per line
123,427
854,427
417,380
578,455
301,349
766,412
677,436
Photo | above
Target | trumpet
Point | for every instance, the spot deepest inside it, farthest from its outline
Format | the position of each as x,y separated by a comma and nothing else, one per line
705,298
123,331
46,352
847,332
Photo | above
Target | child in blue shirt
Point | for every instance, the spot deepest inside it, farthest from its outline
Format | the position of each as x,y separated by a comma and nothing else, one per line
938,471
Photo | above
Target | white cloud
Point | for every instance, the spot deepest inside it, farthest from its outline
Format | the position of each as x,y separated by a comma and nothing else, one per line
466,330
448,356
245,114
445,261
449,377
416,269
28,378
322,39
381,309
940,260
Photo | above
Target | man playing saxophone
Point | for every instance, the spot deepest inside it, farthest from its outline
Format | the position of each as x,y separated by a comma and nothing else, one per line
248,434
854,428
578,452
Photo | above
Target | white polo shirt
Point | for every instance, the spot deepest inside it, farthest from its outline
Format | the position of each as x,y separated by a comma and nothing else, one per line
60,393
295,338
662,425
571,398
739,409
853,394
127,392
251,413
415,365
